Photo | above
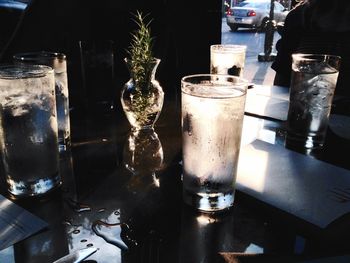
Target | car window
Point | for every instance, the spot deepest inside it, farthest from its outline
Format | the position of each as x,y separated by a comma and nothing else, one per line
279,7
263,6
242,4
258,5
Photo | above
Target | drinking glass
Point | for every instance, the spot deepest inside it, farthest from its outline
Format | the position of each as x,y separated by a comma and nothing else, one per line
58,62
28,129
212,119
227,59
313,82
97,61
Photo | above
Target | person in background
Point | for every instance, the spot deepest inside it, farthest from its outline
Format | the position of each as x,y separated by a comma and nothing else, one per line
322,27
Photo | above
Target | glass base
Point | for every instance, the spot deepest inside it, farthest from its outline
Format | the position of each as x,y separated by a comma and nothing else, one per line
33,188
305,145
142,128
209,202
307,142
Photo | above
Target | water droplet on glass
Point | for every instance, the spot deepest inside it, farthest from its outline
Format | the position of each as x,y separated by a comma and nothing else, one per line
115,234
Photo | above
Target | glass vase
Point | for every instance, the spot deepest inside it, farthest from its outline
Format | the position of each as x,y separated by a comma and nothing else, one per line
142,96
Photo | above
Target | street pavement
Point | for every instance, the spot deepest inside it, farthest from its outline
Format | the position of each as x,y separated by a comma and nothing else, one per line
254,71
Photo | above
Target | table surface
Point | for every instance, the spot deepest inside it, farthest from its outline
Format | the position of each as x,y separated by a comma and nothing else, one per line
128,203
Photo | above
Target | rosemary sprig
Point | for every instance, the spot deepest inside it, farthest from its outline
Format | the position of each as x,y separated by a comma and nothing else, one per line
141,55
141,64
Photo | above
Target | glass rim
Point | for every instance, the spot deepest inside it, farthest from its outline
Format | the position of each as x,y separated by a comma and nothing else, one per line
314,57
206,75
12,72
228,48
38,55
241,84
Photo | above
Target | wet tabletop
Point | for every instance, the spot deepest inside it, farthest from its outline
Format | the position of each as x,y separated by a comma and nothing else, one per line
121,194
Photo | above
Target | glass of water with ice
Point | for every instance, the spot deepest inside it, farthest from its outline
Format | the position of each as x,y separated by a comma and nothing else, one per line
313,82
212,118
227,59
28,129
58,62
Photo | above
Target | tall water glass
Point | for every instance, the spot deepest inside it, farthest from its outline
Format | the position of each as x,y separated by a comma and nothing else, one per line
227,59
28,129
212,118
313,82
58,62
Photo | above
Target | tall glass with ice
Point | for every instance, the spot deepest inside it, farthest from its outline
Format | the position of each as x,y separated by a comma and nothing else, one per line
313,82
58,62
227,59
212,118
28,129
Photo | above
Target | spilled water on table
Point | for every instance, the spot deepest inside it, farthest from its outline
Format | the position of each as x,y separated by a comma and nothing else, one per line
114,233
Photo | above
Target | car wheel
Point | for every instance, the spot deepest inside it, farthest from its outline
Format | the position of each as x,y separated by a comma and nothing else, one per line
234,28
263,25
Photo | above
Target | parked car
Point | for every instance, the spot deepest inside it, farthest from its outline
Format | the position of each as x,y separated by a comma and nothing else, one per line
254,14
